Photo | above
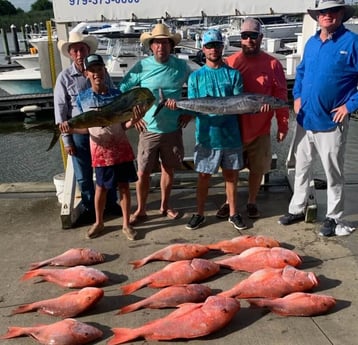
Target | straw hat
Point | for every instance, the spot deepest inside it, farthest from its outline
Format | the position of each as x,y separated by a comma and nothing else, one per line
159,31
76,37
325,4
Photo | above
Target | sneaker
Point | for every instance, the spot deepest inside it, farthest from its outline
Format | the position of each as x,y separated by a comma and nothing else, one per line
223,212
290,218
252,211
328,227
237,222
195,221
130,233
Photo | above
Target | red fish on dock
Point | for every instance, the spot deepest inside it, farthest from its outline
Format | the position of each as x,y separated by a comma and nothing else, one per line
65,306
191,320
174,252
72,257
240,243
179,272
73,277
64,332
296,304
273,282
254,259
171,296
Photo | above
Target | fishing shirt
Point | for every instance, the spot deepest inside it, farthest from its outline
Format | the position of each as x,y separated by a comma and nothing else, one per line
69,83
262,74
109,144
214,131
170,78
327,78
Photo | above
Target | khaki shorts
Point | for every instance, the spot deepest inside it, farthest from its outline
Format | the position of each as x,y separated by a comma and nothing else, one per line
257,155
167,148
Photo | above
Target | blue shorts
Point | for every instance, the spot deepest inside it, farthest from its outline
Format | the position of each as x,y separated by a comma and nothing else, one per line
208,161
109,177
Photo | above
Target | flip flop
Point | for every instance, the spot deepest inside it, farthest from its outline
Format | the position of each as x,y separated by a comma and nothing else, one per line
170,213
137,218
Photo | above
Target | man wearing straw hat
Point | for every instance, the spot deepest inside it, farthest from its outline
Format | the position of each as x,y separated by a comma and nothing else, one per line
325,93
69,83
160,136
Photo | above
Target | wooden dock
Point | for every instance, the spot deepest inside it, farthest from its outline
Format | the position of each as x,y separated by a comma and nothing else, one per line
12,104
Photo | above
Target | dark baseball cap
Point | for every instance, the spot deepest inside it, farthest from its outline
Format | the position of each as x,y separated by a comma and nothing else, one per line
93,59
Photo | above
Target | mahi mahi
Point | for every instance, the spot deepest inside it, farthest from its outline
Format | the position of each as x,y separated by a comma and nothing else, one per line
245,103
120,110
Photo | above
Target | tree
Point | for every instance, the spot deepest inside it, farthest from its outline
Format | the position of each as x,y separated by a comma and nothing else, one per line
41,5
7,8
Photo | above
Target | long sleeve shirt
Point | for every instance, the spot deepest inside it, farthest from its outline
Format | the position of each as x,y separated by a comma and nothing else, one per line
170,77
326,78
263,74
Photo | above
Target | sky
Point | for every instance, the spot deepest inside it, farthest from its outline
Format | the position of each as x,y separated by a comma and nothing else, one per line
24,4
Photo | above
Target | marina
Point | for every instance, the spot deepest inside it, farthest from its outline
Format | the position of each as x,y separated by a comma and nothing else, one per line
30,209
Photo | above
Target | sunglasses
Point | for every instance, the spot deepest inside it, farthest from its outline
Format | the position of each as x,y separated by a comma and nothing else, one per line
330,10
252,35
213,45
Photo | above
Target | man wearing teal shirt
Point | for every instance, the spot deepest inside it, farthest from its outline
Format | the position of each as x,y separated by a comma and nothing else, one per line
218,139
160,136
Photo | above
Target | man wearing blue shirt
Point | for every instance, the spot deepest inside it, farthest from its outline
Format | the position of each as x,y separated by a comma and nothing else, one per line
325,93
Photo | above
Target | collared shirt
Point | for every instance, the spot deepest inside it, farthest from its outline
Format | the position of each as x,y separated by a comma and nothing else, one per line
69,83
327,78
170,78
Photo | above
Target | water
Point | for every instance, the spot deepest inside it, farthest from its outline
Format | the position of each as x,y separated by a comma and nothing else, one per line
24,158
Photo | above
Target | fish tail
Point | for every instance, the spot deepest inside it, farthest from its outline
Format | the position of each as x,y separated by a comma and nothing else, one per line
128,289
29,275
36,265
122,335
138,263
129,308
13,332
56,135
21,309
256,303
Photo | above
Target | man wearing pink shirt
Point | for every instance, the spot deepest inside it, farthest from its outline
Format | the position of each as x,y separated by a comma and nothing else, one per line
262,73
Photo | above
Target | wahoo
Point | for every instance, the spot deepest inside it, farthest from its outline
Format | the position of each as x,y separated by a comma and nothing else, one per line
245,103
120,110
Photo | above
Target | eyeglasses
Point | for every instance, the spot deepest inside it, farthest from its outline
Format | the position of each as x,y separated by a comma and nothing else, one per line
213,45
252,35
330,10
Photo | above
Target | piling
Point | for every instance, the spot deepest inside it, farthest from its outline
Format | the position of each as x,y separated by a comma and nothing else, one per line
15,39
6,45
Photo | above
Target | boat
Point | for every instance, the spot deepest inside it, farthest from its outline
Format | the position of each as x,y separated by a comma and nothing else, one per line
22,81
274,26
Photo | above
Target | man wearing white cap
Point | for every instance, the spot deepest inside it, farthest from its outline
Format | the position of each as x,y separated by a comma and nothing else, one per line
325,93
70,82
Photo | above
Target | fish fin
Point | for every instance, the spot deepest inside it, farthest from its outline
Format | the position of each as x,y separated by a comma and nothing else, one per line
161,103
56,135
